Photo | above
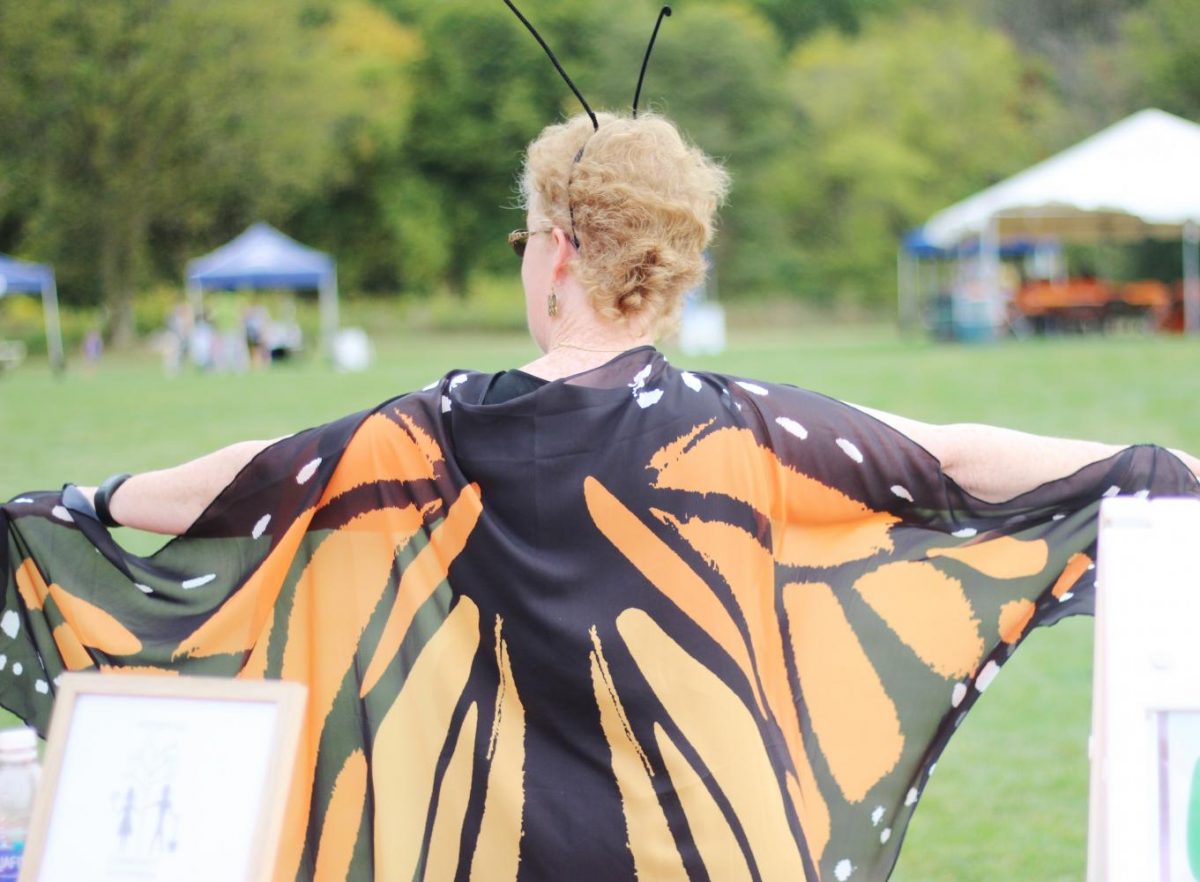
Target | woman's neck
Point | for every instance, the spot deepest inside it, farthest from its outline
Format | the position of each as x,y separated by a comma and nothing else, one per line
573,353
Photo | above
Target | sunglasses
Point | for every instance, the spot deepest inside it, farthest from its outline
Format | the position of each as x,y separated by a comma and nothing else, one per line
517,239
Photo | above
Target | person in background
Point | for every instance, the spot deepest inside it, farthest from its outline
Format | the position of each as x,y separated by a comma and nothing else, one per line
93,350
256,322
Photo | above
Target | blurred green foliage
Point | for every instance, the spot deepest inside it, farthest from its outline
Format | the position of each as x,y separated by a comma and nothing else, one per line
902,119
135,134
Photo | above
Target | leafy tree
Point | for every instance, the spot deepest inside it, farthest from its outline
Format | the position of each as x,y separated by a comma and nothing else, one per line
1163,55
1042,24
1079,42
128,120
362,214
795,21
915,113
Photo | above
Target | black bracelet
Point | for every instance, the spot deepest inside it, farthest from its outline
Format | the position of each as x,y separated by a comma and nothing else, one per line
104,495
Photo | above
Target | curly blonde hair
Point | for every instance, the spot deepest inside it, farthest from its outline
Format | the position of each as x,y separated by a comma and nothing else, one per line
641,203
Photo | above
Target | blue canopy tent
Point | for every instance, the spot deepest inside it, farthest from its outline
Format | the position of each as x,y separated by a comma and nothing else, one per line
21,277
263,257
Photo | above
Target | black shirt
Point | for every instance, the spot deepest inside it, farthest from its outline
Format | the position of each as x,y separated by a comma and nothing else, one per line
511,384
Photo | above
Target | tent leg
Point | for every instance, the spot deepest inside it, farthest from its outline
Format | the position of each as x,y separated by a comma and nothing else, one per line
195,298
328,296
989,255
1191,277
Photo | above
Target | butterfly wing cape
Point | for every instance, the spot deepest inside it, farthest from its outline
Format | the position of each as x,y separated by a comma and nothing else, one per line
642,621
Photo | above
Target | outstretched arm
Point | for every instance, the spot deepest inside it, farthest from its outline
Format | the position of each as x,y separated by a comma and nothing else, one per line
996,464
169,500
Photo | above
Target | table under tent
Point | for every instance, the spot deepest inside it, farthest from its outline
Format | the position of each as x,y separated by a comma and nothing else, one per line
22,277
1133,181
263,258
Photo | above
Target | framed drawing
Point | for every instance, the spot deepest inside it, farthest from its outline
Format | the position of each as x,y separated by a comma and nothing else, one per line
150,778
1144,818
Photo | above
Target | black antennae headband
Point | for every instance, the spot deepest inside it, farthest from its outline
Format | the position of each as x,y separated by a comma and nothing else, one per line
663,13
562,73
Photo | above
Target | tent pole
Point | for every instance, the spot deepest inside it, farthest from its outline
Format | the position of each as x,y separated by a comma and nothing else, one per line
54,342
329,312
1191,277
195,298
989,255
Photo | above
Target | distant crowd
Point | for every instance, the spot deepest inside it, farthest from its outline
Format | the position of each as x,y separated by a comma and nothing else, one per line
230,335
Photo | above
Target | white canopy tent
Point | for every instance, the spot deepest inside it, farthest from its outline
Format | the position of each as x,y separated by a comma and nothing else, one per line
1137,179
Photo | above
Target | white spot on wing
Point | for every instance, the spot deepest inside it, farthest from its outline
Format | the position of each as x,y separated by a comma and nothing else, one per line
42,686
17,669
752,388
458,380
1142,494
643,398
691,381
446,404
199,581
145,589
22,500
62,514
1067,595
902,492
10,624
649,399
959,693
843,870
877,816
1058,517
965,533
260,527
850,450
1114,490
793,427
310,469
885,835
911,797
3,661
987,675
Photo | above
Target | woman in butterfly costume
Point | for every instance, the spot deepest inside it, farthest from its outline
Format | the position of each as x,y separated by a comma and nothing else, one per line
597,618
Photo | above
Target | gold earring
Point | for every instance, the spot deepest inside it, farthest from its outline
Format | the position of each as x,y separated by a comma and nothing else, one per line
552,303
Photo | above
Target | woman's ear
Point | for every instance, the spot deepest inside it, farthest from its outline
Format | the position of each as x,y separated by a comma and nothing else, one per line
564,250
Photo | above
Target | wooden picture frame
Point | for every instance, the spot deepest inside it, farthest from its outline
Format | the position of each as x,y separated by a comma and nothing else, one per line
1144,814
149,778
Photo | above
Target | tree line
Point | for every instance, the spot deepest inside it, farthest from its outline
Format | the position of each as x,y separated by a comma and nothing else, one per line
135,134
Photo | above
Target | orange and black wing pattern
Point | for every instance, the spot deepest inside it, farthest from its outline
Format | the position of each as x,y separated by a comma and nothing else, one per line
641,623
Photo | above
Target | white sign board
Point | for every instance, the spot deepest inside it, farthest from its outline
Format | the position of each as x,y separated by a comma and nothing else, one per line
164,779
1144,823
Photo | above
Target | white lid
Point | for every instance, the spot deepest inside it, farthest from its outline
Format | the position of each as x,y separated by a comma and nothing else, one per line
19,739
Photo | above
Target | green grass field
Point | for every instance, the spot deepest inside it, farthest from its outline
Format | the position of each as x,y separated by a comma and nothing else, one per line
1008,800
